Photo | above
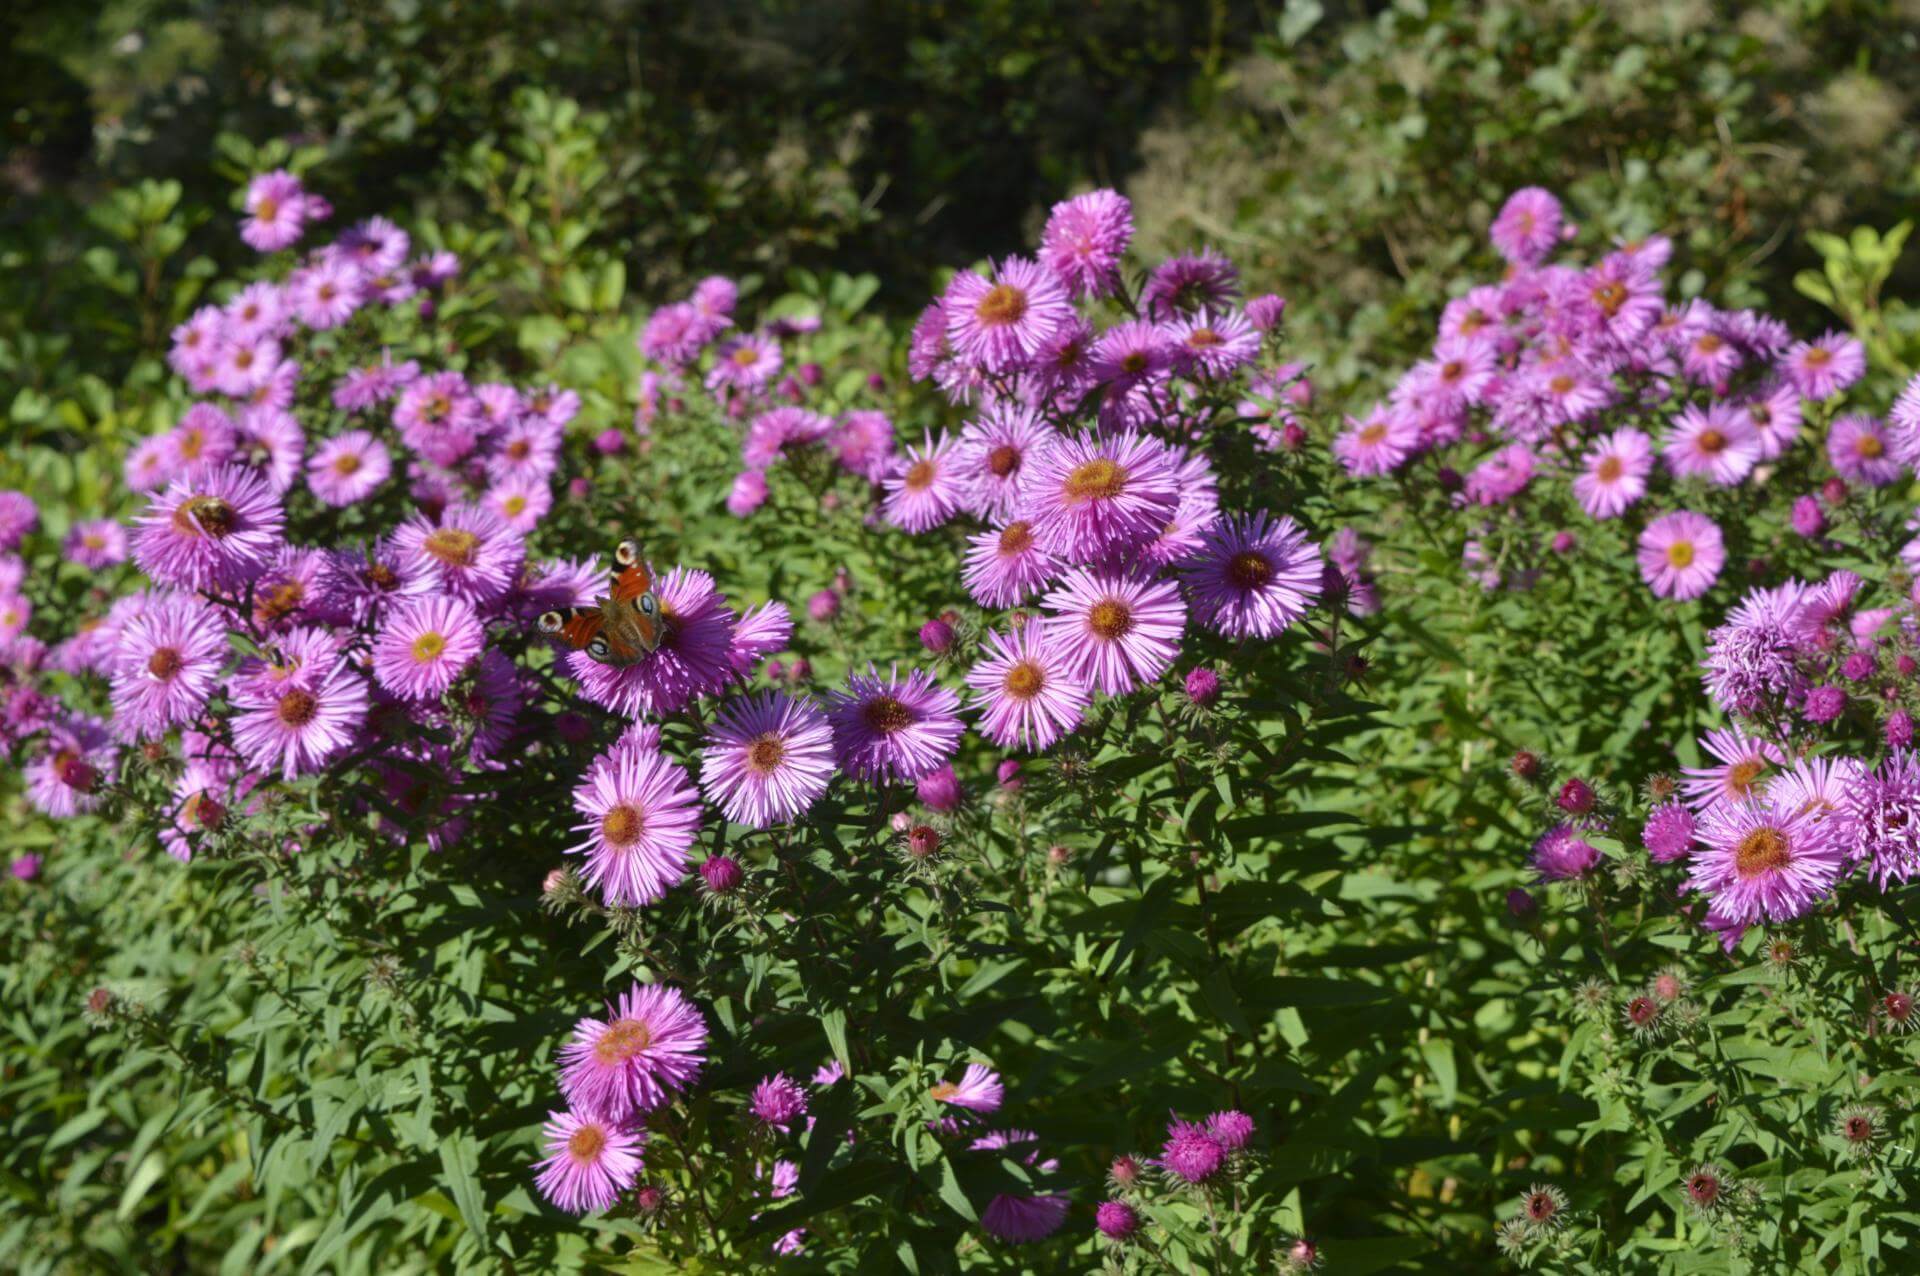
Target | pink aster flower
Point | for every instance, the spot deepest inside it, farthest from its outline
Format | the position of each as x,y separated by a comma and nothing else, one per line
1027,695
778,1101
257,312
1528,228
1253,577
1562,854
1021,1219
1004,568
642,818
1822,368
324,294
590,1162
1716,443
205,436
1739,763
1000,323
168,661
863,442
767,759
1129,356
992,454
747,363
425,644
926,487
648,1047
468,552
370,386
748,493
1116,632
1097,497
1774,412
519,503
1085,239
1213,345
69,773
95,543
439,418
1858,447
889,727
149,464
1378,444
297,724
348,468
1187,285
1190,1154
1883,819
1613,475
675,334
1501,477
978,1090
276,205
271,441
1681,554
1764,862
217,529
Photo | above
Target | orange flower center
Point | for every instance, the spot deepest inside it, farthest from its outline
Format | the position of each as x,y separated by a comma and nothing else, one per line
1004,304
1025,680
1712,442
887,715
621,826
1373,433
452,545
346,464
427,647
765,754
1097,480
585,1143
1764,850
1110,619
920,476
1016,538
1249,569
1870,446
1610,468
1003,460
623,1039
1610,296
1742,775
297,708
277,602
1680,554
164,664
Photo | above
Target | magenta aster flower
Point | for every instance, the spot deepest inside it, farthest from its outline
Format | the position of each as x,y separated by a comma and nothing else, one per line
95,543
1501,477
149,464
748,493
1020,1219
299,723
1613,475
271,441
926,487
1528,228
1774,412
1190,1154
425,644
1740,761
767,759
778,1101
1114,631
1883,819
992,455
747,363
1822,368
696,656
642,818
1717,444
886,727
468,552
348,468
519,503
1187,285
367,387
863,442
1681,554
1001,323
590,1162
1213,345
649,1046
276,205
1085,239
1669,833
1004,568
168,660
1231,1129
675,334
216,529
1130,356
1253,577
1379,444
1859,449
978,1090
324,294
205,436
525,448
69,774
760,632
1097,497
1116,1220
439,418
1763,862
1562,854
1027,695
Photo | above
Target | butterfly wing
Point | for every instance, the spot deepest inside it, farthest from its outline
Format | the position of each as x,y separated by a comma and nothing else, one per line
638,617
632,579
575,626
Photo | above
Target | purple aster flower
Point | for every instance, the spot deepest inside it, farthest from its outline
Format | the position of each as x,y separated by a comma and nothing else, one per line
979,1089
1716,443
1000,323
271,441
468,552
367,387
695,657
1231,1129
1613,475
1774,412
926,487
774,430
298,723
168,660
886,727
1115,632
1085,239
219,528
759,633
95,543
1562,854
675,334
519,503
1116,1220
439,418
863,442
778,1101
1187,285
992,455
1213,345
1020,1219
425,644
1740,761
1669,833
1500,477
1761,861
205,436
1528,228
1004,568
348,468
1859,449
1027,694
1822,368
324,294
747,363
1253,577
648,1047
1809,520
1190,1154
749,493
1129,356
642,818
1097,497
590,1163
767,759
1824,704
149,464
276,205
1379,444
1752,661
69,773
1681,554
1266,311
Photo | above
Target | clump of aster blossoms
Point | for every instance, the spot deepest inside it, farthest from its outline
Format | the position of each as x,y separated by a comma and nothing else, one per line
1575,392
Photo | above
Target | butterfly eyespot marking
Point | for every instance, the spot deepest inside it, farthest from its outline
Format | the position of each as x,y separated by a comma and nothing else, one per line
551,622
647,605
598,649
627,554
